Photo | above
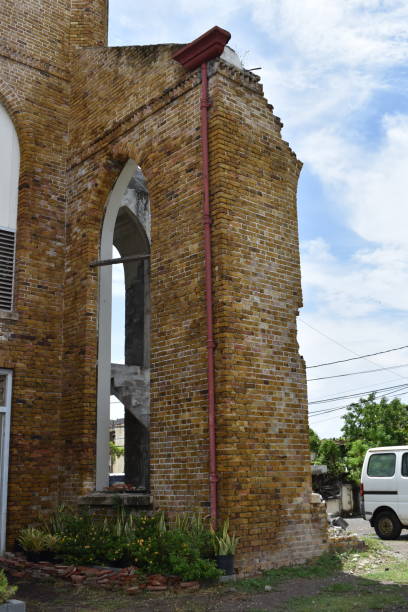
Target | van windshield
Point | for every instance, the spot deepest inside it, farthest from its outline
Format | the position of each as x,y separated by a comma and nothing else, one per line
381,465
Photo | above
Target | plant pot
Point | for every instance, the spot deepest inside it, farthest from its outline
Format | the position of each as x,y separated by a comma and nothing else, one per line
123,562
225,563
34,556
42,555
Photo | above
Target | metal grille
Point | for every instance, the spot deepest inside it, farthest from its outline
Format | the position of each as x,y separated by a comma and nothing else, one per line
7,240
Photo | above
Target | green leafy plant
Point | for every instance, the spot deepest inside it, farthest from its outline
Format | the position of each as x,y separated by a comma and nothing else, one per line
32,539
6,591
330,454
116,451
51,542
181,556
223,542
197,527
183,546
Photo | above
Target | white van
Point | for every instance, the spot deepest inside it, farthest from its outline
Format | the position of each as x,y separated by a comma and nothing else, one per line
384,490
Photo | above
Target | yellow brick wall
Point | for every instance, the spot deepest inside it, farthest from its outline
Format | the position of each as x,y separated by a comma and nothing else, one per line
76,133
262,442
34,90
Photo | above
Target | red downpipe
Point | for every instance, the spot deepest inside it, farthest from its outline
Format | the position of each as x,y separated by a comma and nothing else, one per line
205,48
204,106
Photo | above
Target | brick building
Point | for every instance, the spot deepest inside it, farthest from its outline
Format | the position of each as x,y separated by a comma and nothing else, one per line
106,146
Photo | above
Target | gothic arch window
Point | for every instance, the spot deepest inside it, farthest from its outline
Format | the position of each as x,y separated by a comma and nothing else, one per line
124,379
9,172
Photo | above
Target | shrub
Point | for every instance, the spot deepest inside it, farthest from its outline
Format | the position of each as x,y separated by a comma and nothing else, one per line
6,591
32,539
147,541
180,555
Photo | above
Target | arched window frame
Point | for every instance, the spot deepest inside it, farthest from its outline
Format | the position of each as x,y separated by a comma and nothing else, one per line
114,204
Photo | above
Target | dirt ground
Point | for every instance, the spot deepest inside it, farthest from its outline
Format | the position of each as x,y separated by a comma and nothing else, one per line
374,580
58,597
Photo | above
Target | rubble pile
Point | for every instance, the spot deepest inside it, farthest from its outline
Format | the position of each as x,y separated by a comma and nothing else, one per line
127,579
340,539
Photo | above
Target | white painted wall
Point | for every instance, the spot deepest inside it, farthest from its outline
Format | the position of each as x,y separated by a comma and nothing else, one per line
9,170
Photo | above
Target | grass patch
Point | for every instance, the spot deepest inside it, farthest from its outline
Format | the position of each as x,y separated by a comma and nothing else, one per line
374,558
363,598
324,566
393,572
339,587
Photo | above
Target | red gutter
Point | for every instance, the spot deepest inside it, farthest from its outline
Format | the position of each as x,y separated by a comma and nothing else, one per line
199,52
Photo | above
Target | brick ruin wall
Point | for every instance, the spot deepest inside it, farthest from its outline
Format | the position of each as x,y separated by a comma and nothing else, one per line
263,449
135,102
34,81
35,90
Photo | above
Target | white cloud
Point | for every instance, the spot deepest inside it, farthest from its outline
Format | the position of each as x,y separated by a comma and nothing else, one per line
326,64
370,186
352,33
372,280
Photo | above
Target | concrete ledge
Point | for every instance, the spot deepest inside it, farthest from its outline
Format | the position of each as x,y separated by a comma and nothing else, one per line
132,500
13,605
9,315
315,498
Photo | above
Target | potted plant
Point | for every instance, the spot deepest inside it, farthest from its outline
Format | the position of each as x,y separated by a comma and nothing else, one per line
36,544
50,546
225,546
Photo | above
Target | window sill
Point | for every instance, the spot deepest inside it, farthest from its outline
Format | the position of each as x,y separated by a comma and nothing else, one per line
8,315
135,500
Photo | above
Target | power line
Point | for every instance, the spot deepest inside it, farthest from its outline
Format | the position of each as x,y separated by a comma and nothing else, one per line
340,397
325,420
362,389
329,410
349,350
337,416
326,336
404,365
319,365
326,411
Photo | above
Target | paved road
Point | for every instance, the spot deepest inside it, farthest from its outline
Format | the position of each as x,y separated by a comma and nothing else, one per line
362,527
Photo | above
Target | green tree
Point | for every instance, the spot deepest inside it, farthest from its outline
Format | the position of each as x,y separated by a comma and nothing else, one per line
314,441
330,455
370,423
116,451
355,457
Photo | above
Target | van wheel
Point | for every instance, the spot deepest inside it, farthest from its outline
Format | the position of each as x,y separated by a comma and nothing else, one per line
387,525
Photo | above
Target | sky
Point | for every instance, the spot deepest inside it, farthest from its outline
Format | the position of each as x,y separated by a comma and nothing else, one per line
336,72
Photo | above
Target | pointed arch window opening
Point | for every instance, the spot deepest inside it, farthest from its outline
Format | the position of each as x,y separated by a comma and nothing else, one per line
127,231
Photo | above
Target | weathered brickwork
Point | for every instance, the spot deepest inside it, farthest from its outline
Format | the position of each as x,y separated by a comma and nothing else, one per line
34,91
263,453
76,133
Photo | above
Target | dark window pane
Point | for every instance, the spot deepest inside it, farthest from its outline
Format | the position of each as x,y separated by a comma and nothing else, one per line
404,466
381,465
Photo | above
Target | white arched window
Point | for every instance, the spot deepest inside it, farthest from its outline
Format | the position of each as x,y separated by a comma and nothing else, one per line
124,379
9,172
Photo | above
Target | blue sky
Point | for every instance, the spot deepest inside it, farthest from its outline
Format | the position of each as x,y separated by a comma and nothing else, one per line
336,73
